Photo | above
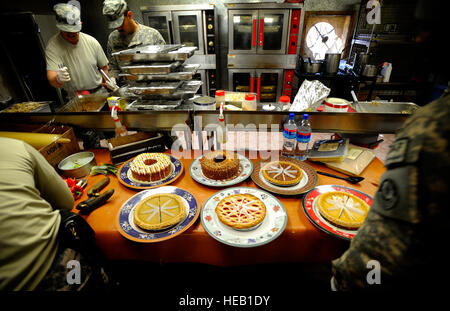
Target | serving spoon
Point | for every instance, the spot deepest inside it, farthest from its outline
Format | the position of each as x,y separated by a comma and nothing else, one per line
350,179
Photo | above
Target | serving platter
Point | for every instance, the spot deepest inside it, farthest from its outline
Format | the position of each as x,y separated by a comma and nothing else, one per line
270,228
310,208
125,217
125,178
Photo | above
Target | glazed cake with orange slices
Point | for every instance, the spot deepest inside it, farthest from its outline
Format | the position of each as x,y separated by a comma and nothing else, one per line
342,209
241,211
151,166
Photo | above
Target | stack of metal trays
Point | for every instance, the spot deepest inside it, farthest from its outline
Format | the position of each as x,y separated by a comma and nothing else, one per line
185,91
155,53
182,73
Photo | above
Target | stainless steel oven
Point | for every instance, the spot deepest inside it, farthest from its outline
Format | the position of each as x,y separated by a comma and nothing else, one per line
258,31
266,83
191,25
263,43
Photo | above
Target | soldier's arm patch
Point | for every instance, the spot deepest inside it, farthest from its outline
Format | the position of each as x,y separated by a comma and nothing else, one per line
397,153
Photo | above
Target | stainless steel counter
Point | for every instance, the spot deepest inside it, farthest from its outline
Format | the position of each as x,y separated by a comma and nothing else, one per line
236,120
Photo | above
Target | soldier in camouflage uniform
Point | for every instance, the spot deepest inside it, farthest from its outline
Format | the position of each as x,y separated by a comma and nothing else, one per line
405,229
128,33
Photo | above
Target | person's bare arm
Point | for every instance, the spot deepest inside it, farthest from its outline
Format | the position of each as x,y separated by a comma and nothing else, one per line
52,79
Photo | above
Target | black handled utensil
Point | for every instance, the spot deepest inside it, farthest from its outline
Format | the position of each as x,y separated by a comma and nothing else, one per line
350,179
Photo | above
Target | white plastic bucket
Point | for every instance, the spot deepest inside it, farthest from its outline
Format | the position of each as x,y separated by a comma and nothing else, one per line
334,104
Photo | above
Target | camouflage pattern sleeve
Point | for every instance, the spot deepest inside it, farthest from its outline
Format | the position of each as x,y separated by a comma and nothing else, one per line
409,212
114,68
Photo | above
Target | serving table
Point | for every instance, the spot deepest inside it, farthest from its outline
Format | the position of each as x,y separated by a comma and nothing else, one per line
301,241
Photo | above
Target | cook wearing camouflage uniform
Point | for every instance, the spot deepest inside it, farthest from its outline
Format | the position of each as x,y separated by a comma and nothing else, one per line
128,33
405,231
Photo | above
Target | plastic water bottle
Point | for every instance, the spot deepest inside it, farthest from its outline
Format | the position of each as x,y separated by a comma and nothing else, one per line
289,136
303,138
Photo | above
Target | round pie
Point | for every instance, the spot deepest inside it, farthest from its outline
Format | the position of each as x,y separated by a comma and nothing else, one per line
241,211
159,211
342,209
282,173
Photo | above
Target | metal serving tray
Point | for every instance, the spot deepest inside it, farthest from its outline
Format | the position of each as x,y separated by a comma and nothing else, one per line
153,68
385,107
155,88
149,54
139,105
183,73
185,91
85,103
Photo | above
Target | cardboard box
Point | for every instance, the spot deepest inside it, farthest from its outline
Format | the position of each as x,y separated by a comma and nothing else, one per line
54,152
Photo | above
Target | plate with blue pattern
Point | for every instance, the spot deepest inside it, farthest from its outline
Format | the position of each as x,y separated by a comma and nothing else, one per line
270,228
245,170
125,218
125,177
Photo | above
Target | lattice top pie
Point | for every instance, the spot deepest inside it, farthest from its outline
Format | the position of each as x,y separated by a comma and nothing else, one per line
241,211
283,173
343,209
159,211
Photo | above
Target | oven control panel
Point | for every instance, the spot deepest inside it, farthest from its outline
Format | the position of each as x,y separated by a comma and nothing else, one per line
210,32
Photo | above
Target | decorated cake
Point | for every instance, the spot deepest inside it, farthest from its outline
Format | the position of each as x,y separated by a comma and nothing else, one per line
151,166
159,211
220,165
241,211
282,173
342,209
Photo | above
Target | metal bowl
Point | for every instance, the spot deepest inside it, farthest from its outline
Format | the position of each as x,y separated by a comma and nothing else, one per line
77,165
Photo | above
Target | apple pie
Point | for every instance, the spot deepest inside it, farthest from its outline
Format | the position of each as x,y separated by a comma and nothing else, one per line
159,211
241,211
282,173
342,209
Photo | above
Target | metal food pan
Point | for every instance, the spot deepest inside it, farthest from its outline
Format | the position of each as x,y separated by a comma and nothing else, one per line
185,91
183,73
139,105
155,88
153,68
85,103
143,55
385,107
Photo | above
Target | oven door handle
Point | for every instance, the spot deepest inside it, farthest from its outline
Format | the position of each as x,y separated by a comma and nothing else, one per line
252,82
261,31
254,33
258,87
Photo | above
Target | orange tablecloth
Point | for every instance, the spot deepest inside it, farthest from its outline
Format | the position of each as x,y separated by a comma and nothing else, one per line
301,241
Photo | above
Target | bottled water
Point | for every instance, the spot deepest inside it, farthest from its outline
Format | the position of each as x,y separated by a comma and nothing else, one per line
303,138
289,136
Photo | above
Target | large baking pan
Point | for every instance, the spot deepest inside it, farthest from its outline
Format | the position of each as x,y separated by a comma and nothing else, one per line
385,107
155,88
151,68
185,91
85,103
139,105
183,73
145,54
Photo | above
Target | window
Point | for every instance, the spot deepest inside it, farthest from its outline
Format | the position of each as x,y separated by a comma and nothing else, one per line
326,32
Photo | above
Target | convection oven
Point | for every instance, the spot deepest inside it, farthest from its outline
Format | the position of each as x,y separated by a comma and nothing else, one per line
263,42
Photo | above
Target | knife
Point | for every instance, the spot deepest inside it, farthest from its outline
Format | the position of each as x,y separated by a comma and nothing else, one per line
91,204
